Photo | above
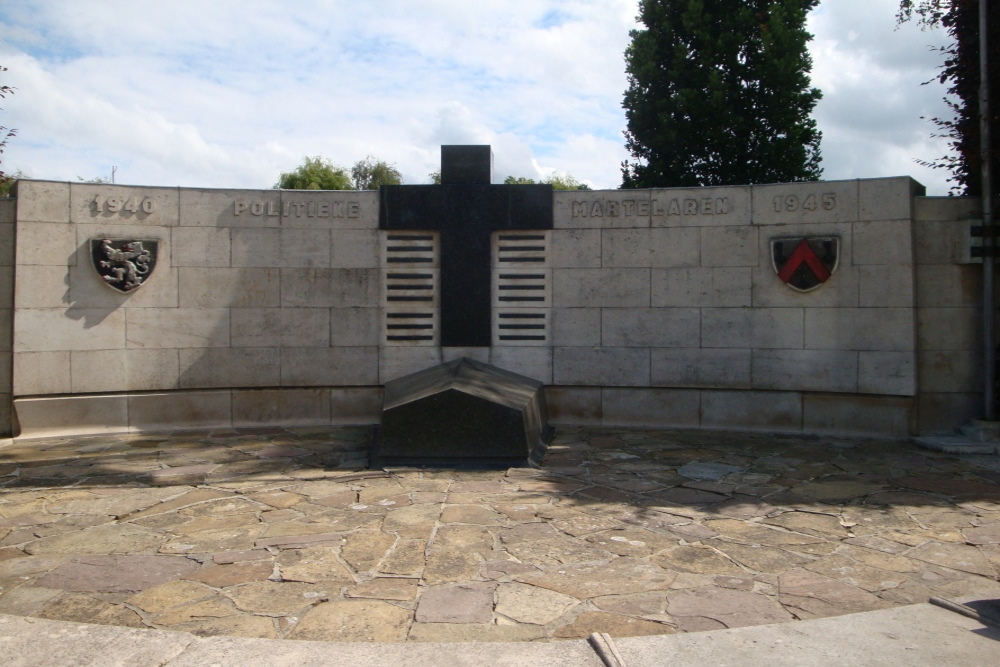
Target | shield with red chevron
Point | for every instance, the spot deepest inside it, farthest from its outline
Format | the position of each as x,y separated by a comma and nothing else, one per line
805,263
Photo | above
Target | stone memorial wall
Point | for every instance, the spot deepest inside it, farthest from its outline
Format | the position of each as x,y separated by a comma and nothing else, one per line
827,307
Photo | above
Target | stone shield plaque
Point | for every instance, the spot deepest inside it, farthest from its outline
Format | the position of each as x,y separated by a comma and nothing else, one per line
124,265
805,263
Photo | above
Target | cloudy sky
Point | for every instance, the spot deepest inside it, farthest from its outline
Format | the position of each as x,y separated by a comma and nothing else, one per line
229,93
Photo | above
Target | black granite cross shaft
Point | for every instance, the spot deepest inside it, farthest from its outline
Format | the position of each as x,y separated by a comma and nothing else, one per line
465,209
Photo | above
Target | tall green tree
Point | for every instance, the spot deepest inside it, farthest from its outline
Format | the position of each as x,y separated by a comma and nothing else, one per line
315,173
719,94
961,74
369,174
557,181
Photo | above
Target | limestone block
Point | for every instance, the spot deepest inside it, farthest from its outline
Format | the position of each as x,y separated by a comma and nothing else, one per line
225,287
959,371
805,370
41,373
178,327
578,327
204,368
42,201
330,209
354,249
805,203
533,362
887,373
8,211
751,410
7,238
330,288
731,246
267,407
574,405
701,287
848,415
773,328
256,247
597,288
886,286
305,248
700,367
122,205
450,353
355,326
887,198
601,366
41,329
943,286
329,366
280,327
941,241
947,208
651,407
650,327
199,246
949,328
600,209
883,242
180,410
945,412
51,244
202,207
94,371
150,370
840,291
41,286
394,362
355,405
71,415
700,207
884,329
88,290
661,247
575,248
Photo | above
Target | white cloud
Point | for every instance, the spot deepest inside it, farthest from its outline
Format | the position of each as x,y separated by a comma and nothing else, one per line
229,93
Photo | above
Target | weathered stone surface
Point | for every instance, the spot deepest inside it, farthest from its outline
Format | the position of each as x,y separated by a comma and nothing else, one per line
707,471
620,576
531,604
75,607
467,603
216,607
406,558
988,534
276,597
315,564
223,576
732,608
836,491
590,622
365,549
108,539
761,559
170,594
474,632
450,566
697,560
631,541
557,550
354,621
117,573
583,524
234,538
385,588
117,505
256,627
811,595
476,514
463,538
954,556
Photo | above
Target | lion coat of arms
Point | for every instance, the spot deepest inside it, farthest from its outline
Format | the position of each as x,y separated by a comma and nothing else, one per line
124,265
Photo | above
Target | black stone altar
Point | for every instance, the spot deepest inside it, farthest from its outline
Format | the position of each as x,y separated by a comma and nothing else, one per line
462,414
465,209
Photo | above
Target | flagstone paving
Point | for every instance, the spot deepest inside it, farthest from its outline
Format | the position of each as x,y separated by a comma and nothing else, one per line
282,533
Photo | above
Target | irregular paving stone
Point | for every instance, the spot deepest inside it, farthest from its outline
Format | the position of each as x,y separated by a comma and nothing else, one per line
468,603
117,505
684,496
237,538
475,514
851,572
631,541
450,566
315,564
615,625
707,471
527,532
531,604
223,576
354,621
501,569
822,525
583,524
254,627
620,576
188,499
696,560
732,608
557,550
106,539
216,607
463,538
29,565
275,597
300,541
27,600
954,556
880,559
761,559
171,594
365,549
241,556
949,486
648,604
117,573
811,595
988,534
385,588
75,607
836,491
406,558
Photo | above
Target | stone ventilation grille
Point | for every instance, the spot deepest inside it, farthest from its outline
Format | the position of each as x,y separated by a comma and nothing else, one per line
410,276
522,292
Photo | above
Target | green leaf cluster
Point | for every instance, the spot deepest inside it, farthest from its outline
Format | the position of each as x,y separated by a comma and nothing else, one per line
315,174
557,181
719,94
369,174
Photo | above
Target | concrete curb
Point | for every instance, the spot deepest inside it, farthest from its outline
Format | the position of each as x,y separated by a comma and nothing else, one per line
920,634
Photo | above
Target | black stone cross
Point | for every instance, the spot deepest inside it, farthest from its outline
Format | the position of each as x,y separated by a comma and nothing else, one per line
465,209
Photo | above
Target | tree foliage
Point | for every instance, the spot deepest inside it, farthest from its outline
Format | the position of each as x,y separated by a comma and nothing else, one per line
557,181
719,93
5,134
369,174
961,74
315,173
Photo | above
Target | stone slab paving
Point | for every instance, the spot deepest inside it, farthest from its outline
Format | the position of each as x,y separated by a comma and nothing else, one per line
282,533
